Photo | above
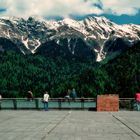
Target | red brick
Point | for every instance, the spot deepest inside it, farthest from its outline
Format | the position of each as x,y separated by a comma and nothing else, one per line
107,103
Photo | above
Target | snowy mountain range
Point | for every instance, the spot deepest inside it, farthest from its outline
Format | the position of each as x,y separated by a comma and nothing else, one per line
94,37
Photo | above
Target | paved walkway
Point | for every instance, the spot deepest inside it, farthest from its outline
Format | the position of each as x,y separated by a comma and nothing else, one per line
69,125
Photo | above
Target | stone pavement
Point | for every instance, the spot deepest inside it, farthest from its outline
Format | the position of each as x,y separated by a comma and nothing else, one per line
69,125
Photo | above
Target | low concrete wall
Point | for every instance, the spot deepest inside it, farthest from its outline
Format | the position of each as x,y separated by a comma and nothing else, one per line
108,102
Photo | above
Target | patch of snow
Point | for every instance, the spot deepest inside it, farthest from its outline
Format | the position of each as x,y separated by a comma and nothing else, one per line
69,45
1,23
58,41
102,36
38,42
98,59
72,23
69,21
85,38
74,45
23,52
7,34
100,55
117,35
25,42
52,25
96,50
126,28
69,41
92,36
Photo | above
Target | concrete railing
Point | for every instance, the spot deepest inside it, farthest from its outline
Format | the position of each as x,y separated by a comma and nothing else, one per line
60,103
54,103
127,103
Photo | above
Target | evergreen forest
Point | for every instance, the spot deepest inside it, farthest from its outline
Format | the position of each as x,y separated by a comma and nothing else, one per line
20,73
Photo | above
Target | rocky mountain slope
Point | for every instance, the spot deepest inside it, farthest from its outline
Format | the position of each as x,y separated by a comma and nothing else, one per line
93,37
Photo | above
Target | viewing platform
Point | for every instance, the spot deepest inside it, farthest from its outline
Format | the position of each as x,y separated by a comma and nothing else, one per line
69,125
21,119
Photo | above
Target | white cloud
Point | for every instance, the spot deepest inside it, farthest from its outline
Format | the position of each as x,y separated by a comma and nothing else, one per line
65,8
119,7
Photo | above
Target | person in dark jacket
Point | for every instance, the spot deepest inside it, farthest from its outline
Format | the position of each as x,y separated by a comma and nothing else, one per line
73,94
29,95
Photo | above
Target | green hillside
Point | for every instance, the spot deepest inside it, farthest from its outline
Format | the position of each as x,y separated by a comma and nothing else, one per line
125,72
19,73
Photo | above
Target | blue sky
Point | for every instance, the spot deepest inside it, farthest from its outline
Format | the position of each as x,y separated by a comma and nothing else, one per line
119,11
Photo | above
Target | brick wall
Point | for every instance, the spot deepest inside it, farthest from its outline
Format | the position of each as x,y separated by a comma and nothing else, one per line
107,102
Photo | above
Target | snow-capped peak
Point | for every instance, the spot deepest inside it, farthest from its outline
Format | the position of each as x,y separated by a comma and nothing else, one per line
30,33
70,22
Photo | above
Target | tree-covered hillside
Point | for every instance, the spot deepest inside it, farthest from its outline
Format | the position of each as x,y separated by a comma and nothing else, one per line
125,72
19,73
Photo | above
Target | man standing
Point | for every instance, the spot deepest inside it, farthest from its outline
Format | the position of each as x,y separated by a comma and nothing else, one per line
45,100
137,98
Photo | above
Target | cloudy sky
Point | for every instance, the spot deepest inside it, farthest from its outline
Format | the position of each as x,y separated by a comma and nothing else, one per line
120,11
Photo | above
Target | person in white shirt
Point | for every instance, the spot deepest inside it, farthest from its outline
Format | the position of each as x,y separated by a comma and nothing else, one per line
45,100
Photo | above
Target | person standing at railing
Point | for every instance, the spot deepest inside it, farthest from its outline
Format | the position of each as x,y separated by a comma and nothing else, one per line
67,97
29,95
73,94
137,98
45,100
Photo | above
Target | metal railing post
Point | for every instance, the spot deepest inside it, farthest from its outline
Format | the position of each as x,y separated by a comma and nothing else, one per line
0,104
59,104
37,103
82,103
15,103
